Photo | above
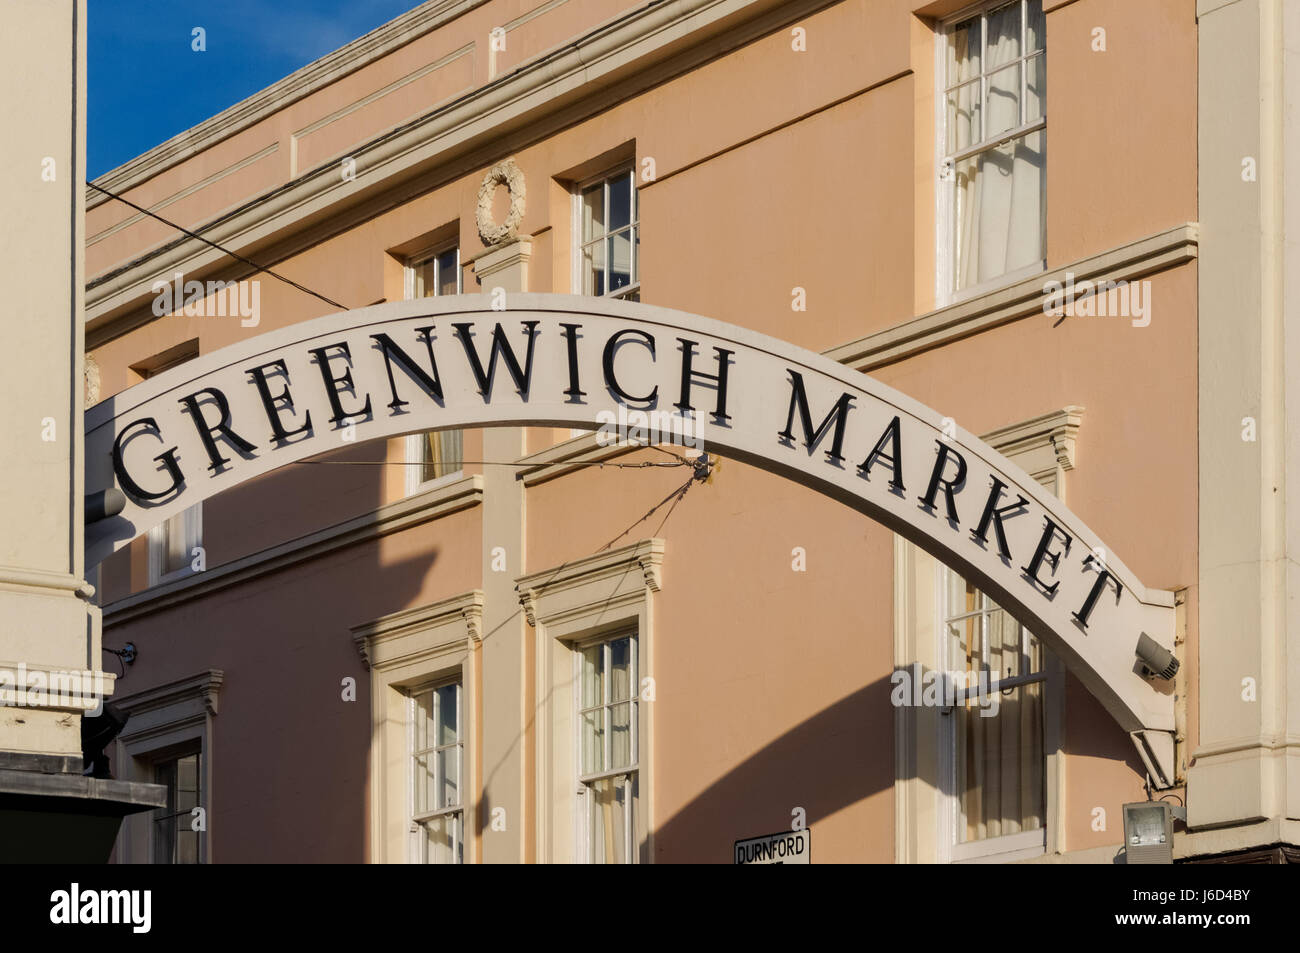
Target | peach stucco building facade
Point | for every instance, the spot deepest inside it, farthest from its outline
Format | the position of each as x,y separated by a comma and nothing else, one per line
334,660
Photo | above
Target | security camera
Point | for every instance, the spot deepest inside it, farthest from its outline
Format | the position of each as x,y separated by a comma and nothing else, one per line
1156,659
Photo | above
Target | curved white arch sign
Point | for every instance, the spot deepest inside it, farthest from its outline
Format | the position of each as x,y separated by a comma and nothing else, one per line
558,360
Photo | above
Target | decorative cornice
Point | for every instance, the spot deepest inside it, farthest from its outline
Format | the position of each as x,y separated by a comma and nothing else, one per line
391,518
1059,430
1022,299
528,601
651,564
647,555
205,686
460,615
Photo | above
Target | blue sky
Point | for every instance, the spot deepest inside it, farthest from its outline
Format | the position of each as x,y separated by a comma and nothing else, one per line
146,83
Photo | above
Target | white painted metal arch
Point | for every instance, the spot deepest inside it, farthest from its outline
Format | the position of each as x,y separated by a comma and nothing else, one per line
860,442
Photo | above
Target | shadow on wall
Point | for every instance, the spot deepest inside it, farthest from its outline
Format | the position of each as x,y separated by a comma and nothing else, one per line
290,753
842,755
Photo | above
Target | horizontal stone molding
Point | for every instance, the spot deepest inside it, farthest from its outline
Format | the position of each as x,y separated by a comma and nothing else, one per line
204,687
632,569
176,196
632,45
447,625
422,507
15,577
1022,299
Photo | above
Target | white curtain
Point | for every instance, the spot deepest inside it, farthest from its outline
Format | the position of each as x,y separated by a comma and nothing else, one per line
999,759
999,193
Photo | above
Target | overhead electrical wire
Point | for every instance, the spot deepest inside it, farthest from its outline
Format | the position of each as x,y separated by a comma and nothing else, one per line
225,251
702,465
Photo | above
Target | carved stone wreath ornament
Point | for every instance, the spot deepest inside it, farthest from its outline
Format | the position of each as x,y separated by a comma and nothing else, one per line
508,174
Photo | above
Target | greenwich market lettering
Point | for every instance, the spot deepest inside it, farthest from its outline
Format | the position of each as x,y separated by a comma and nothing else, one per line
627,370
209,410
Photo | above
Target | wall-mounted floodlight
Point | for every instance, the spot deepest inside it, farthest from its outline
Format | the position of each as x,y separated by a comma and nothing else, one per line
1149,832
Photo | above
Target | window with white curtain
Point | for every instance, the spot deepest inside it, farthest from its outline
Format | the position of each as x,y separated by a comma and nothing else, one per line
433,455
437,762
992,143
607,726
997,803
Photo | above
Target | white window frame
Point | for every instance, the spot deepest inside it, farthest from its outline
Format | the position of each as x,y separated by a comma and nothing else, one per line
1044,447
432,253
414,443
1006,847
945,214
406,652
624,168
631,772
162,720
420,840
190,523
590,599
196,750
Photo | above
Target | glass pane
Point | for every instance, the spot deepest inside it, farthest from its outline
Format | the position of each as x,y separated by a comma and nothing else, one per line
430,459
1035,87
963,116
187,785
448,273
593,269
165,773
425,795
620,669
620,735
620,260
187,842
999,210
449,771
426,279
593,212
593,671
1004,656
424,727
997,740
1004,101
176,551
164,840
452,451
445,845
964,52
593,741
448,723
1000,765
1033,651
1036,27
620,201
1003,37
610,821
441,454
